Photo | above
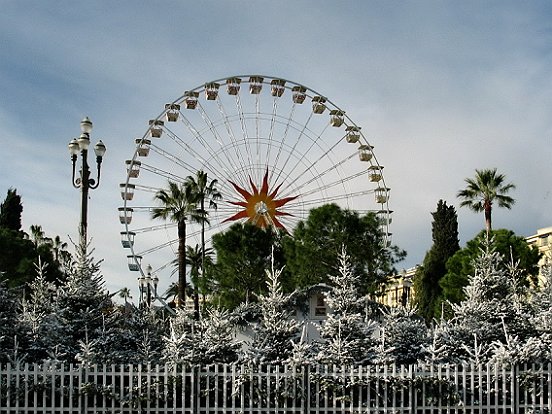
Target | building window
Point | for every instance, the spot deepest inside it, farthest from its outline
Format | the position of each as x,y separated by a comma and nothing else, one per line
319,309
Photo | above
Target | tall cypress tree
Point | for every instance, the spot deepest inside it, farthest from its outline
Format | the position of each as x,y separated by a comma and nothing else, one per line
444,232
10,211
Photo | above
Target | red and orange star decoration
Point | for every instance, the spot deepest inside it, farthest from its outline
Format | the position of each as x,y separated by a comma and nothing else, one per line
261,207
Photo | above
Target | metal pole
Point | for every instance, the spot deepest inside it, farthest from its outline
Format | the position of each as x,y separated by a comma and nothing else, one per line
85,183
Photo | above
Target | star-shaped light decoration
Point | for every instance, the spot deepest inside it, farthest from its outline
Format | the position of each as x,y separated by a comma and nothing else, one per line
261,208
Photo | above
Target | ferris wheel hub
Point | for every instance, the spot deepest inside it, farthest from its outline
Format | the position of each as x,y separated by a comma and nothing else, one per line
261,208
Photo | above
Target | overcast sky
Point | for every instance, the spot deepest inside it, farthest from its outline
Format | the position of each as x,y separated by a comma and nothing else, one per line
440,87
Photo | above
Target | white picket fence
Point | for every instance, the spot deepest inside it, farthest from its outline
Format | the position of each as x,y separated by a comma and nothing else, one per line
417,389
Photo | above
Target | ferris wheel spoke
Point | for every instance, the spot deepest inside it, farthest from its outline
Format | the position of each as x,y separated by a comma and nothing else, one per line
150,229
339,183
283,141
297,141
231,135
271,129
326,155
174,158
227,163
194,154
257,130
243,125
166,174
161,268
158,247
333,168
334,198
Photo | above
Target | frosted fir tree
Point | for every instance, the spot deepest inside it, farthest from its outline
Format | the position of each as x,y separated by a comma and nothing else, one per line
301,351
514,351
538,347
495,303
87,354
178,342
209,340
82,302
8,322
131,335
541,302
477,352
404,336
175,346
214,339
277,328
346,334
438,350
38,319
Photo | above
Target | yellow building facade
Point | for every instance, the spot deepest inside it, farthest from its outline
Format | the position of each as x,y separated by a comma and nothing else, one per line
543,241
401,290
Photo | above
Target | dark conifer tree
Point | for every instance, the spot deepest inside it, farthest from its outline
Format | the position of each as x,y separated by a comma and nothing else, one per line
444,232
10,211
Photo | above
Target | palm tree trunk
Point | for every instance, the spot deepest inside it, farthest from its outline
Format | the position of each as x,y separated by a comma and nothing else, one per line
181,263
488,225
202,253
196,303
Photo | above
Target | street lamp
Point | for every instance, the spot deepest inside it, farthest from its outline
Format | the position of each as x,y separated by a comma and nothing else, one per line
148,287
84,182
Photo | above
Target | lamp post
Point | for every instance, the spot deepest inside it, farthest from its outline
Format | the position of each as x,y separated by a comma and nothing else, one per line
148,287
84,182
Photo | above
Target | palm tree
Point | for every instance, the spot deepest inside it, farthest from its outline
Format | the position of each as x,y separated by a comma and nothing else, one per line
483,190
195,257
204,190
172,291
124,293
38,237
178,204
58,246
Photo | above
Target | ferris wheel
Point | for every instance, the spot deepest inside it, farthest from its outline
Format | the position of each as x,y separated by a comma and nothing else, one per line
276,148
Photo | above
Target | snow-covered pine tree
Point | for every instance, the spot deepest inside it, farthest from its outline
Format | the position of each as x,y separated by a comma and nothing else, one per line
131,335
346,334
439,350
538,346
277,329
405,336
82,303
8,322
541,302
493,309
178,342
301,351
214,339
43,330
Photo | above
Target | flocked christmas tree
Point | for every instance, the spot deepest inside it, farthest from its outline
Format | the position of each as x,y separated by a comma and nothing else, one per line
178,342
214,339
539,345
209,340
404,336
277,329
494,312
42,327
82,305
8,323
536,345
347,332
